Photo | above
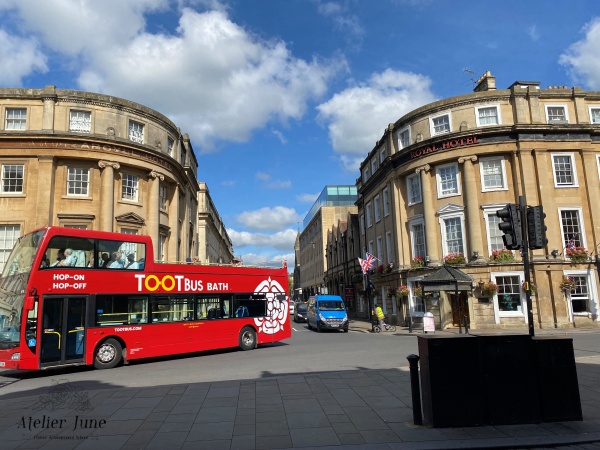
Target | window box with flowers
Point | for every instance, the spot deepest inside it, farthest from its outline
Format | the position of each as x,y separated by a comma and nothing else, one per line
489,289
577,254
502,255
455,258
417,262
567,284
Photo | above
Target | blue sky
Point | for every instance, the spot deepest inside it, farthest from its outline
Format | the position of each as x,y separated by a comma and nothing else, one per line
282,97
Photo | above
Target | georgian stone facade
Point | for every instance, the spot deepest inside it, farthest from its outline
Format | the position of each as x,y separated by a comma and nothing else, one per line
80,159
434,181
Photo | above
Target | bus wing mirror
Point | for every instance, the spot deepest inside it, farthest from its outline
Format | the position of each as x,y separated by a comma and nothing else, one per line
29,303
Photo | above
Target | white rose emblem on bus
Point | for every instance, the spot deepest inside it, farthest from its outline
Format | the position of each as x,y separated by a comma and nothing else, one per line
277,310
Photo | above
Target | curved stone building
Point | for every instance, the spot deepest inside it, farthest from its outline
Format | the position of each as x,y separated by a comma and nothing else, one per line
78,159
430,189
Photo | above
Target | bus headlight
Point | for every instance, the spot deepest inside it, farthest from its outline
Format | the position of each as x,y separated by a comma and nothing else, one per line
15,356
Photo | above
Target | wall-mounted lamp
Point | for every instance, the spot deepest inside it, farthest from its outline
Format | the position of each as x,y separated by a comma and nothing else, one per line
427,260
475,254
480,283
554,253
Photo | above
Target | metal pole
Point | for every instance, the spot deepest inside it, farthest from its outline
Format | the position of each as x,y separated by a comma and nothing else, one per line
370,300
458,308
525,254
413,362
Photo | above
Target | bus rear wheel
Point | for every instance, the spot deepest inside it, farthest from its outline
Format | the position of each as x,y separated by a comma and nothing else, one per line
247,340
108,354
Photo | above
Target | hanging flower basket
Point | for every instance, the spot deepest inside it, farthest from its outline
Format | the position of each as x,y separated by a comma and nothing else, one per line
417,262
532,287
490,288
577,254
568,284
502,255
455,258
403,291
418,292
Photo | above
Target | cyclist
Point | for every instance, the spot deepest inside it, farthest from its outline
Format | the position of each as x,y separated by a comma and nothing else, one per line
380,316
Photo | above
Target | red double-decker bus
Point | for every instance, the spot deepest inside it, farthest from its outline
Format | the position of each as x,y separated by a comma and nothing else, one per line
74,297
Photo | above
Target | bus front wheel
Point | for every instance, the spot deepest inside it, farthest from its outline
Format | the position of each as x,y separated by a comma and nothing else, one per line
108,354
247,339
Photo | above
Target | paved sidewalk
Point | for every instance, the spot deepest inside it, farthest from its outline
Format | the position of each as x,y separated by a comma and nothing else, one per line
364,409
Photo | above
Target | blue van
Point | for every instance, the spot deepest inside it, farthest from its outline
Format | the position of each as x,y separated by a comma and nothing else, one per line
327,312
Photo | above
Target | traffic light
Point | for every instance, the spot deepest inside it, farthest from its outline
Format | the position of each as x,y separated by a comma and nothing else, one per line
510,226
536,230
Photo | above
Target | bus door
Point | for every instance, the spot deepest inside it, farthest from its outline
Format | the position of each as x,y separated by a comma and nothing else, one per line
63,330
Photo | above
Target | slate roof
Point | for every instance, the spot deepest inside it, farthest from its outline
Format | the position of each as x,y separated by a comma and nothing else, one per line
447,275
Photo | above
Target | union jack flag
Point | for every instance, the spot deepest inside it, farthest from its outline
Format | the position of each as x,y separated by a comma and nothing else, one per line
366,264
571,243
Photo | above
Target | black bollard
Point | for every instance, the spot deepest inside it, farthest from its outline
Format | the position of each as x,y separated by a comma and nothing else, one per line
413,362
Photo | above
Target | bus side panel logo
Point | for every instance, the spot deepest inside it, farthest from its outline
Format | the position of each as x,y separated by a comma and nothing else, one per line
277,311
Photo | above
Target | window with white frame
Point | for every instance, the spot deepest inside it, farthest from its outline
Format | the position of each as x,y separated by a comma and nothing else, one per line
386,202
404,138
162,239
8,237
495,241
170,145
564,171
130,187
556,113
13,178
572,227
580,298
594,115
417,306
382,154
366,174
80,121
440,124
417,238
413,189
371,248
374,165
379,249
369,211
453,233
377,204
136,132
448,182
16,119
78,181
362,224
389,252
509,298
493,174
487,115
162,196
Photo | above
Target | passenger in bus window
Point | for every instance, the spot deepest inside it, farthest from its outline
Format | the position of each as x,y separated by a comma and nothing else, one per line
115,261
131,263
70,259
59,257
45,262
104,260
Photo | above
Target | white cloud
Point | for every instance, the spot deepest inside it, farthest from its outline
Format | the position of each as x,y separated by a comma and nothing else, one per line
307,198
274,218
20,57
358,116
583,57
229,82
262,176
282,240
533,32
